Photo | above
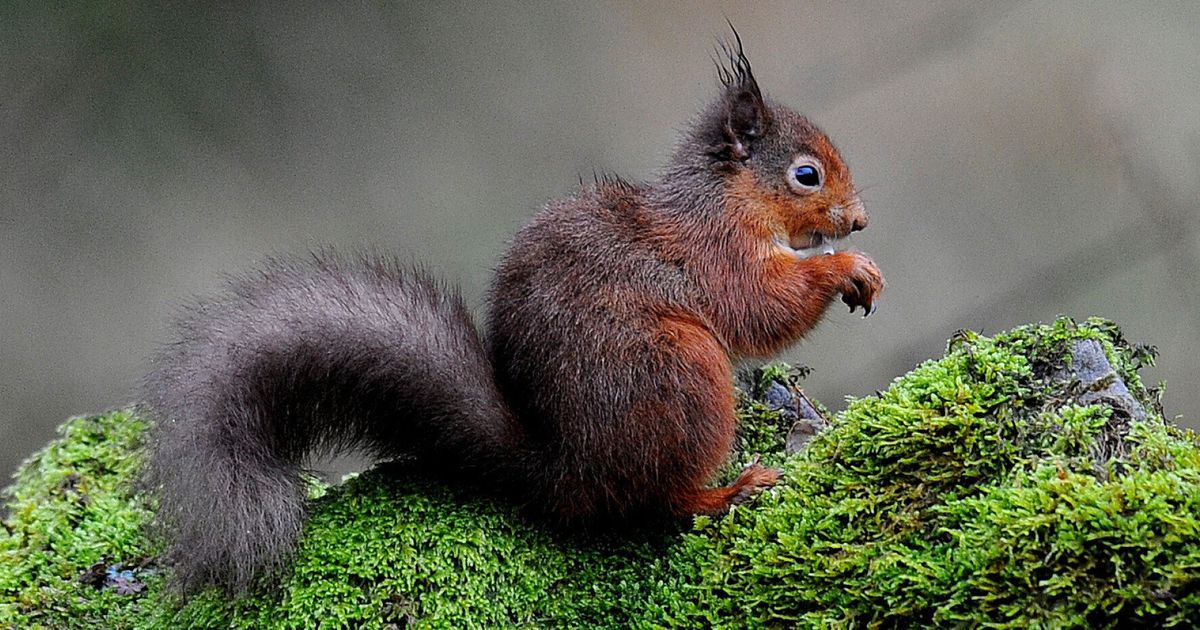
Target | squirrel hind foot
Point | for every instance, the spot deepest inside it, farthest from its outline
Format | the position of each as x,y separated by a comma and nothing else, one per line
753,479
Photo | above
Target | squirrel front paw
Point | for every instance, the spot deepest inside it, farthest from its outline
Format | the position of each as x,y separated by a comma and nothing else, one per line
861,284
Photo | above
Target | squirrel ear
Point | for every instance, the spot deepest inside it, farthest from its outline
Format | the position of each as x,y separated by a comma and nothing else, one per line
743,113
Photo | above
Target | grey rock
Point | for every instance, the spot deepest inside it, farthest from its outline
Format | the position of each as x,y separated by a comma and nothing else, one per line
1098,383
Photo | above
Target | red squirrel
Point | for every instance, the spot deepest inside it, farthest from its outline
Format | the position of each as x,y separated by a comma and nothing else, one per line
602,391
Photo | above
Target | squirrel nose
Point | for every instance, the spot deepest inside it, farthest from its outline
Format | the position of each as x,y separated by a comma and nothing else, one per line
859,223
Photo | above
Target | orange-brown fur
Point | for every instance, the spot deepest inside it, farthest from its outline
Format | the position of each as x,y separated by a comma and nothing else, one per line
651,291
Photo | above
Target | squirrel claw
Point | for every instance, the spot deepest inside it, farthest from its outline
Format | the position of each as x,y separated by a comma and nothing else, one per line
861,285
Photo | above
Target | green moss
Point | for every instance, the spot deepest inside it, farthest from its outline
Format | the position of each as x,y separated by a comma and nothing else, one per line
975,490
70,509
969,492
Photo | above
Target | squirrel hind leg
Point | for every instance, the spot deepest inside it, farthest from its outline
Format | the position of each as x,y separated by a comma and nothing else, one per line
701,399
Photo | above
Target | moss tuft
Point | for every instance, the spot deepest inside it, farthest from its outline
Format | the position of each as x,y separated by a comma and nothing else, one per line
71,552
978,489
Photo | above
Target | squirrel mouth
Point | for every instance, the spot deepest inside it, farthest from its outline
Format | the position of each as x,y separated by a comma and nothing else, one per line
813,244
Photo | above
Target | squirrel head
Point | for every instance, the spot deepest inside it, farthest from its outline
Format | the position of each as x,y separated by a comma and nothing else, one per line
773,163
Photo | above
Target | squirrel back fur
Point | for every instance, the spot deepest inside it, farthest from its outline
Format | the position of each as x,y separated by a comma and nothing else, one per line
602,392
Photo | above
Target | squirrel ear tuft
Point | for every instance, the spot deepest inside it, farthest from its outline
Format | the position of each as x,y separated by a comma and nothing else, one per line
742,111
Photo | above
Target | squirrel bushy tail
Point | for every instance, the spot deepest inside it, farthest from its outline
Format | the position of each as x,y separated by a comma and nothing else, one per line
309,357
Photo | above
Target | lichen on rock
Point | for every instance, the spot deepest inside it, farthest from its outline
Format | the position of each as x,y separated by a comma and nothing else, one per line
1021,480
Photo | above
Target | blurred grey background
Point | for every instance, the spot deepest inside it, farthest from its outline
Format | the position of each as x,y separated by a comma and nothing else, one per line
1020,160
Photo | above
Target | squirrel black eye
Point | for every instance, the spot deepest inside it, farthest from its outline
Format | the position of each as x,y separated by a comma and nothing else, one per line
804,174
807,176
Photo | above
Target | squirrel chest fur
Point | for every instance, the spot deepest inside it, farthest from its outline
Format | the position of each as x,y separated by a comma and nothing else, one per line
602,391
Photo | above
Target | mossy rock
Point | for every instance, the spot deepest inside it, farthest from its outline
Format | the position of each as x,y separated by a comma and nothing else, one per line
997,486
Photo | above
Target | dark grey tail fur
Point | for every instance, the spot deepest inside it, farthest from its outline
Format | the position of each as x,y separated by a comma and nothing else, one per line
303,357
